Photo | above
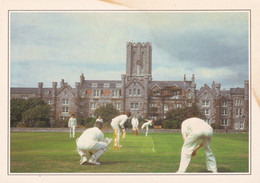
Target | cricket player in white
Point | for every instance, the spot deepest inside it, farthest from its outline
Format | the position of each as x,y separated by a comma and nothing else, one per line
135,124
146,125
72,125
117,123
193,130
99,119
92,141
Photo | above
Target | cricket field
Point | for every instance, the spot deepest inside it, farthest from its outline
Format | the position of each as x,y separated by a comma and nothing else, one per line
55,152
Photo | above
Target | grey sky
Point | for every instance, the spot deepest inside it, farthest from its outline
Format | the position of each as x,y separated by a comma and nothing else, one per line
49,46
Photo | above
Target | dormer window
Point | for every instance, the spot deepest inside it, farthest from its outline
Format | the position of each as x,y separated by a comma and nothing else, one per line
94,85
118,85
106,85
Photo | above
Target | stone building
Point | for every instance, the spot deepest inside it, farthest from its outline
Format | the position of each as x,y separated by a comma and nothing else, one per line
138,93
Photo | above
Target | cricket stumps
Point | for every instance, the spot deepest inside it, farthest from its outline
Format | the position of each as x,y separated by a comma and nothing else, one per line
135,132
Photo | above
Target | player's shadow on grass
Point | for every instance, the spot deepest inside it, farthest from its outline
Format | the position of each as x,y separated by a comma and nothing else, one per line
111,162
220,169
223,170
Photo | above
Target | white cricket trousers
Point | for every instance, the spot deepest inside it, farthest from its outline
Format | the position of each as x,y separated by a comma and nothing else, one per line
147,129
190,144
72,131
135,127
97,149
116,130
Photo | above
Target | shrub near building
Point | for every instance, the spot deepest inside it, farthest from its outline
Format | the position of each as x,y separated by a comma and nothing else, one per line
175,117
30,113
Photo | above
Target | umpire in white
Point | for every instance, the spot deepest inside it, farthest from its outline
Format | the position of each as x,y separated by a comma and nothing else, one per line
92,141
193,130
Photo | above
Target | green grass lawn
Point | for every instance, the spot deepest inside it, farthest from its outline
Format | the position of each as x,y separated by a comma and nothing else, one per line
55,152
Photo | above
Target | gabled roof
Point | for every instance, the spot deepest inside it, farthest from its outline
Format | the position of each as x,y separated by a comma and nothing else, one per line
66,86
162,84
155,86
237,91
100,83
205,87
134,81
225,92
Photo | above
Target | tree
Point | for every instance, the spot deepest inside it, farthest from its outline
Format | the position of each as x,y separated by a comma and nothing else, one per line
31,112
34,115
17,107
153,111
164,94
107,112
177,116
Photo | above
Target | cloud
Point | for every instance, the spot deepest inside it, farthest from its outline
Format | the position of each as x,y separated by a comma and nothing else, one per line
226,76
50,46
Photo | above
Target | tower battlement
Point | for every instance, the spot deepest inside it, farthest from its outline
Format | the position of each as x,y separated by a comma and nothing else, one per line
139,44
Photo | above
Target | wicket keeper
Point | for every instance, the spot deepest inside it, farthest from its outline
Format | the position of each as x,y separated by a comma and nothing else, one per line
92,141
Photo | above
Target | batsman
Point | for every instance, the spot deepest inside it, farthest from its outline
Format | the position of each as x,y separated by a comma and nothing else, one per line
117,123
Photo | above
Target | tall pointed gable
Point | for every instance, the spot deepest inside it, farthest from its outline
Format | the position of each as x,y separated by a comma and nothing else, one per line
66,89
205,89
135,82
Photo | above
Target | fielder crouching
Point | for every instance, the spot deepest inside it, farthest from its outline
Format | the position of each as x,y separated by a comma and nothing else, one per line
193,130
92,141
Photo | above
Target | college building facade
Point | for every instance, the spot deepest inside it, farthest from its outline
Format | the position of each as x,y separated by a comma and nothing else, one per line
138,93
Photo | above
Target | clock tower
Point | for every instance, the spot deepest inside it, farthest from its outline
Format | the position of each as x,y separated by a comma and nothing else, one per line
138,59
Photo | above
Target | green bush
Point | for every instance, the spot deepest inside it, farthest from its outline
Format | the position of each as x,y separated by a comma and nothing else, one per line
29,111
167,124
60,123
107,113
176,124
177,116
80,121
14,123
158,122
171,124
214,126
89,122
107,126
43,124
20,125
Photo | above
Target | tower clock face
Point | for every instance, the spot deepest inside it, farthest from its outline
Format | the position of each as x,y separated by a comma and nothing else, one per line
139,56
138,67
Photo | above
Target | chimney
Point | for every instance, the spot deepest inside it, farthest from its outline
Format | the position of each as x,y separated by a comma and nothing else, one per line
62,83
217,86
54,89
77,88
213,85
82,78
40,84
193,78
